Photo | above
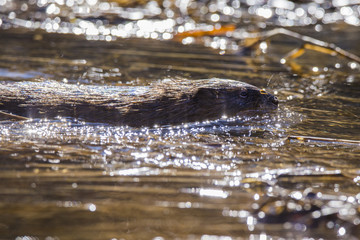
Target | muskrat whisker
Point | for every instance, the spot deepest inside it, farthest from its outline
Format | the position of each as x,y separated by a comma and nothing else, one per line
269,80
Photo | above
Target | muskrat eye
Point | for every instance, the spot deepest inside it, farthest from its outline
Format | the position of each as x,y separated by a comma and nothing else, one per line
243,94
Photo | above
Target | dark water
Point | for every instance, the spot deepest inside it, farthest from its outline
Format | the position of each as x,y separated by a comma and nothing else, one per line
236,178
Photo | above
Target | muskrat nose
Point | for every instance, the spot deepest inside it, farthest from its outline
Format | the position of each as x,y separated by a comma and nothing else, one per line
274,100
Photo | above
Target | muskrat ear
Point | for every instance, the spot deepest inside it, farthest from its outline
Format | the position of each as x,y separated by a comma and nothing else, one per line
207,93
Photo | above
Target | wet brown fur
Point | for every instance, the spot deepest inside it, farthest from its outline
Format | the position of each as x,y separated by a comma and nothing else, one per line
170,102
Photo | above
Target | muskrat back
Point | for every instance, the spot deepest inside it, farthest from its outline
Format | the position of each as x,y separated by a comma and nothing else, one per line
167,102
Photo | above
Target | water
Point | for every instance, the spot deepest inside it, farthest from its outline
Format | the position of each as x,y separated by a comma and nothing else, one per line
289,174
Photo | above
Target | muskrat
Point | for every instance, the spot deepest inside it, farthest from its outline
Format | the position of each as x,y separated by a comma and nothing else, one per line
167,102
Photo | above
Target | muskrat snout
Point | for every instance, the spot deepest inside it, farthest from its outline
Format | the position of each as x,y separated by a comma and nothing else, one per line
274,100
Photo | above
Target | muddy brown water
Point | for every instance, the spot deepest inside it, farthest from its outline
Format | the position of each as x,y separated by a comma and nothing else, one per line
235,178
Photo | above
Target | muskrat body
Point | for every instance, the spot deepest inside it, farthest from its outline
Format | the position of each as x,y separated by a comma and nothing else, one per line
168,102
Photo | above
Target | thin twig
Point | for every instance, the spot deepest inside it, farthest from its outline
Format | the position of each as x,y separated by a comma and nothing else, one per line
309,43
9,116
322,139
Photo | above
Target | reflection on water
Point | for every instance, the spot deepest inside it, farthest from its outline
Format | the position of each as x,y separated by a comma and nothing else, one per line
293,173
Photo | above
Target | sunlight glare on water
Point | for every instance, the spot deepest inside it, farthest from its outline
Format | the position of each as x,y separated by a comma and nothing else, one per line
163,23
288,173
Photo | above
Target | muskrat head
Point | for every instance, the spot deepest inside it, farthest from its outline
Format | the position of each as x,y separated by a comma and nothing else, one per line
231,100
250,97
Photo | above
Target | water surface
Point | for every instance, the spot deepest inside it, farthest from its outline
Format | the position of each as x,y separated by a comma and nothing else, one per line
293,173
